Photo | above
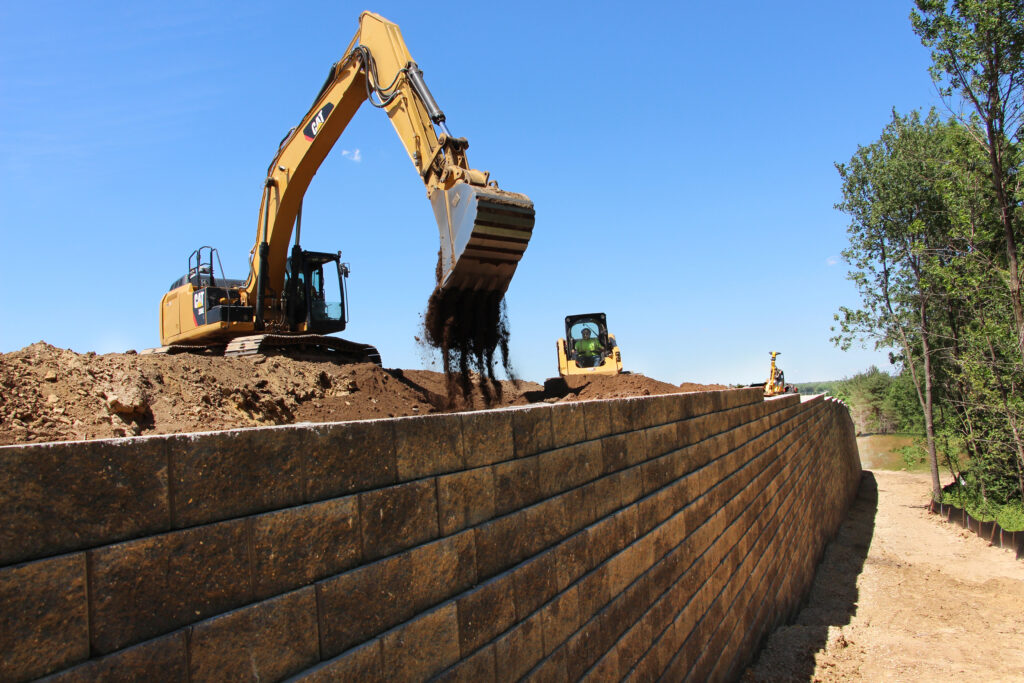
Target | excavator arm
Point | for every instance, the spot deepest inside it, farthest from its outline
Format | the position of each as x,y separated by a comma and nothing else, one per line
483,230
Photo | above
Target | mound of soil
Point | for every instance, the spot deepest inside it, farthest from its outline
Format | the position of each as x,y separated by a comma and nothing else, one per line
53,394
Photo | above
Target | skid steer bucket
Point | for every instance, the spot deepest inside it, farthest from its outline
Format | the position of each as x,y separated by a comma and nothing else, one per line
484,232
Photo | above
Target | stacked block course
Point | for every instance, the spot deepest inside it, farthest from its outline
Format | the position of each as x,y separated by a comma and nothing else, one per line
622,539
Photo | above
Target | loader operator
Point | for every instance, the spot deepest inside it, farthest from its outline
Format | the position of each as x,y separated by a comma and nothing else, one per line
589,351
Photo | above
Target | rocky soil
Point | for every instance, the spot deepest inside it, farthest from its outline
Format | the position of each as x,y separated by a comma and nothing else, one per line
53,394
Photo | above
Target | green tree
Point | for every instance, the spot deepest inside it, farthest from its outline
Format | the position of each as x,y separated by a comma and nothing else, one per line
893,191
978,64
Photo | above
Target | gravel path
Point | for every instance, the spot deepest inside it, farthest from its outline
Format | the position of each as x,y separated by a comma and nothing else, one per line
902,595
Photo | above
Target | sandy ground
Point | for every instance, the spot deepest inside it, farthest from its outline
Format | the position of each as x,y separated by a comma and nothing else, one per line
902,595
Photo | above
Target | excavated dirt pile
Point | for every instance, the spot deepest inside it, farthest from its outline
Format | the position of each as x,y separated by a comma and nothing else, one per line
52,394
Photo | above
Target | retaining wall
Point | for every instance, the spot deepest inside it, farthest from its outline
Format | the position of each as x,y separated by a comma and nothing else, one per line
618,539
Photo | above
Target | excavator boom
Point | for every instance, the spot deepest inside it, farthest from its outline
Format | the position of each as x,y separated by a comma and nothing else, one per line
483,230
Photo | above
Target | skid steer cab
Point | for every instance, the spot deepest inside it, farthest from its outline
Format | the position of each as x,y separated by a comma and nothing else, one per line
587,348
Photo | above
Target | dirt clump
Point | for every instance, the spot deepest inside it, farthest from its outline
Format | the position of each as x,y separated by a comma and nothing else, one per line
53,394
468,327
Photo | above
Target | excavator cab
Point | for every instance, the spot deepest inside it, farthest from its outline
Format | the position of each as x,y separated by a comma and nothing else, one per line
314,299
587,347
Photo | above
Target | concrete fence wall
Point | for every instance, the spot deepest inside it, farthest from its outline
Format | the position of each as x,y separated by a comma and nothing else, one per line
619,539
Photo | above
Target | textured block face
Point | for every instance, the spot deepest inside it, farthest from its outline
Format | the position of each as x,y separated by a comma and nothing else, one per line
568,467
364,663
567,424
440,570
465,499
160,659
597,419
428,445
516,484
560,619
300,545
145,588
363,603
229,474
531,430
487,437
423,647
268,641
43,617
484,613
349,457
398,517
519,650
60,497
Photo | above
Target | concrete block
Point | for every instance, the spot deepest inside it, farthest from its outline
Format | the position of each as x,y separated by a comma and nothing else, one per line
398,517
160,659
428,445
597,419
565,468
606,668
593,593
297,546
44,621
516,484
631,646
487,437
223,475
465,499
630,485
423,647
613,453
364,663
567,424
572,559
548,521
535,582
108,491
636,448
268,641
148,587
348,457
532,430
560,619
477,668
552,669
440,570
519,650
500,544
661,439
485,612
363,603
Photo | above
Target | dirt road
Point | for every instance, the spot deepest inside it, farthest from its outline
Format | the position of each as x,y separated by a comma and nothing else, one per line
902,595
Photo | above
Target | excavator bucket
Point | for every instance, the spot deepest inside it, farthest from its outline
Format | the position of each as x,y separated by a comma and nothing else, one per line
484,232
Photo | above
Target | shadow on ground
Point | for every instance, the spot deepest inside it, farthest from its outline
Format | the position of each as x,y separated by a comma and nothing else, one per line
788,654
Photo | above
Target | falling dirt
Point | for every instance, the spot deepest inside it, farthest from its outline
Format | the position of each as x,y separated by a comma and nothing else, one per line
53,394
468,327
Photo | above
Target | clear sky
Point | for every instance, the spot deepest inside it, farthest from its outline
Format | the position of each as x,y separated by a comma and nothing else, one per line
680,157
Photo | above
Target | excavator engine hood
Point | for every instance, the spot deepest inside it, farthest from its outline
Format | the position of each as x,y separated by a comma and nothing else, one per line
484,232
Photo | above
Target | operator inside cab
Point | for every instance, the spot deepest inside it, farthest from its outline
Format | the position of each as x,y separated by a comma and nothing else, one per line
589,352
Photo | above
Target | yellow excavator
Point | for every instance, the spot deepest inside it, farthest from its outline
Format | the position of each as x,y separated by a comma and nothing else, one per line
295,299
587,348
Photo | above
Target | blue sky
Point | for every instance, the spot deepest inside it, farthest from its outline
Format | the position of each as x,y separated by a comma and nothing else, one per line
679,155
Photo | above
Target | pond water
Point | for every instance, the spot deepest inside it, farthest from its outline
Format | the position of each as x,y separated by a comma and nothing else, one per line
882,451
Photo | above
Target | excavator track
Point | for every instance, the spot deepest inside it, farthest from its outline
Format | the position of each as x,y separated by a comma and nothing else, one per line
305,346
